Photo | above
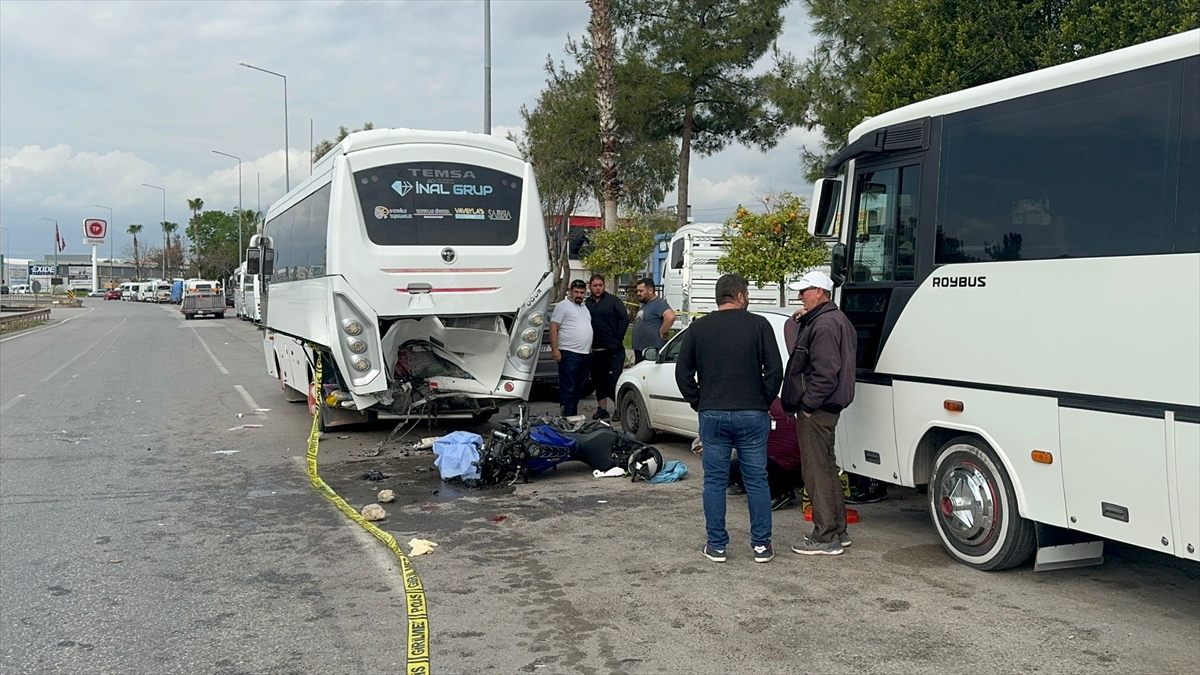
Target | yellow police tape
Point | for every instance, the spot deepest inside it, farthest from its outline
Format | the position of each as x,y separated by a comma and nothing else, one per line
417,655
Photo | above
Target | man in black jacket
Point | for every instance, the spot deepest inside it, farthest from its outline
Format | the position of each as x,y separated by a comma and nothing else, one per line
735,356
610,320
818,385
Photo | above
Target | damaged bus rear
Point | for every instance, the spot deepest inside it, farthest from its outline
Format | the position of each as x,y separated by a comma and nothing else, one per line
414,264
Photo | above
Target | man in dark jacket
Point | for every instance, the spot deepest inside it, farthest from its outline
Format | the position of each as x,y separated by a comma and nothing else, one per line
735,357
818,385
610,320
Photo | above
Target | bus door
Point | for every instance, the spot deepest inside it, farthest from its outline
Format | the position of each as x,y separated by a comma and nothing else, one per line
881,275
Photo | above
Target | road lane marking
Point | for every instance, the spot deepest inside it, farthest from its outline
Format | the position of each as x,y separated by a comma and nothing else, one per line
78,356
249,400
4,408
38,330
211,355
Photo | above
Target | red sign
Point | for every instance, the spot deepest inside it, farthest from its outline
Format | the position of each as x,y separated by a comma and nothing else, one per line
94,228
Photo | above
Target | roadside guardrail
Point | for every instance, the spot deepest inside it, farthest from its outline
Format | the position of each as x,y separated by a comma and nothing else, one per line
10,321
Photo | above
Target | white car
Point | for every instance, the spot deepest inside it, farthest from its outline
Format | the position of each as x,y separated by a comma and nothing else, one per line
648,398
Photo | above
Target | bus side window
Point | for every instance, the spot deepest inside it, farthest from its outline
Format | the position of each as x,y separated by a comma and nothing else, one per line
885,236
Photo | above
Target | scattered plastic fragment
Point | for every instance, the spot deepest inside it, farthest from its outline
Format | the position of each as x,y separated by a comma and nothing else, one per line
225,452
239,414
420,546
343,437
386,496
374,475
261,410
245,426
615,472
498,519
601,501
374,512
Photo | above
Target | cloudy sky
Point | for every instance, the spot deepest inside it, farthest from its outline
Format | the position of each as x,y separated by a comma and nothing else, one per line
97,98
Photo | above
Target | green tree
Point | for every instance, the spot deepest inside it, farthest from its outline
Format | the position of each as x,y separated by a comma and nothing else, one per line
195,205
135,230
560,140
619,252
772,246
219,232
323,147
705,51
876,55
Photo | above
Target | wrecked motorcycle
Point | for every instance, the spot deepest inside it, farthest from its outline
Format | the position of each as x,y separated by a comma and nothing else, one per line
525,446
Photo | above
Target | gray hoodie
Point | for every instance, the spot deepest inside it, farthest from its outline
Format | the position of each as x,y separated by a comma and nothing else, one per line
820,370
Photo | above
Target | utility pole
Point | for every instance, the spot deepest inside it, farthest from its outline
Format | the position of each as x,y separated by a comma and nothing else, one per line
487,67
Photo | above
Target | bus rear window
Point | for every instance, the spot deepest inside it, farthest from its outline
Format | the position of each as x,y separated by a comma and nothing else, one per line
439,204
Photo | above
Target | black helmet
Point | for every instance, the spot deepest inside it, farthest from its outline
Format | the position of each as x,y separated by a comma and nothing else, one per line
644,463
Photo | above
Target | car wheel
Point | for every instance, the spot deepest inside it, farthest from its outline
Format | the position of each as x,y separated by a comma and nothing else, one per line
634,419
974,508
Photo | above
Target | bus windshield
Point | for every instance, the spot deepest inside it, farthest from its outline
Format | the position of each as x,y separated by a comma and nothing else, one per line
439,204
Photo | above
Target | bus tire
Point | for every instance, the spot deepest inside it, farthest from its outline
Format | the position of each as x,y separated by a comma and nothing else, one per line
634,419
974,507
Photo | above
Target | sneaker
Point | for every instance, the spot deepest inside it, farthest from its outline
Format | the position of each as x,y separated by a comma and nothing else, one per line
713,553
601,414
786,499
844,538
764,554
810,547
735,489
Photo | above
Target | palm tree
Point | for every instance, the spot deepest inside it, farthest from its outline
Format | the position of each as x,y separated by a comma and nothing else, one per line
137,261
196,205
168,228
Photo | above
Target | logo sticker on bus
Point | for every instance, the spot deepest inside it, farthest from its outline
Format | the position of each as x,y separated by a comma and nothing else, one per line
402,187
959,282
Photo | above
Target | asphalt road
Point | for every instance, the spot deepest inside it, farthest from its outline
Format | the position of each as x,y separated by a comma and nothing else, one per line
128,546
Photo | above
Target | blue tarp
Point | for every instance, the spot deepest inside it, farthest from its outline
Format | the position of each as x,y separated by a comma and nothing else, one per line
671,472
455,454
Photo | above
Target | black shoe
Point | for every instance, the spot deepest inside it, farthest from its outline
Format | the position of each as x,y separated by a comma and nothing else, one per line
713,553
601,414
735,489
784,500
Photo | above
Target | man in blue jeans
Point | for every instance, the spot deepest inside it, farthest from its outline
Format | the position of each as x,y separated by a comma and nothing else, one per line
729,370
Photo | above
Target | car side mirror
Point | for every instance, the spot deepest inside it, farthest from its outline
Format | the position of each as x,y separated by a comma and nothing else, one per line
650,354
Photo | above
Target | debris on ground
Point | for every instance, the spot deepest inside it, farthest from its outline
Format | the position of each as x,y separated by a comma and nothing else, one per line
386,496
497,519
420,546
373,512
615,472
373,475
245,426
343,437
261,410
225,452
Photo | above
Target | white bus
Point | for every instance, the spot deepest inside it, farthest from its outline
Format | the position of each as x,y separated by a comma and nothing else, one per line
1028,306
416,263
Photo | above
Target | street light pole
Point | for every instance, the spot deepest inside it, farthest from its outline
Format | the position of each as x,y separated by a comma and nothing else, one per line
287,152
239,161
487,67
6,257
56,238
164,220
111,237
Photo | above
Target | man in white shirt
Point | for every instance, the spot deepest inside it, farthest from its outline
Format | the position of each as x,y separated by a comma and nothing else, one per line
571,345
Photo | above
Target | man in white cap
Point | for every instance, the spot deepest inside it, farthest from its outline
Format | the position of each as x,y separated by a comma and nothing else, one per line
818,384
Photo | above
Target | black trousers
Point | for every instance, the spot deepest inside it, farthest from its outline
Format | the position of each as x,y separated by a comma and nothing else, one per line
780,480
607,365
572,376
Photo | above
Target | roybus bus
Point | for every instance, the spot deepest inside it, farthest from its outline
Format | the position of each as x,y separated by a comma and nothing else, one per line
414,264
1021,261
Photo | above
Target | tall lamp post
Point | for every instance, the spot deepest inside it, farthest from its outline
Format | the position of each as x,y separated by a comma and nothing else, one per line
164,219
5,258
110,234
287,159
239,161
56,238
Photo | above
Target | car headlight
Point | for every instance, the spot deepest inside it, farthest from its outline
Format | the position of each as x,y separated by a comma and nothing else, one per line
360,364
357,346
531,335
524,351
352,327
537,319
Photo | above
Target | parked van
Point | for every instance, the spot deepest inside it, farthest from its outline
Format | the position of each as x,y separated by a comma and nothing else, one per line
129,291
162,292
146,291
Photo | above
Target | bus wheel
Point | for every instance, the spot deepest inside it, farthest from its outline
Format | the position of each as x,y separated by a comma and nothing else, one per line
974,508
634,419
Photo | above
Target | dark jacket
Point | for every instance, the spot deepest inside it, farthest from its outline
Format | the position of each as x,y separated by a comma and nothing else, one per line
610,320
729,360
820,370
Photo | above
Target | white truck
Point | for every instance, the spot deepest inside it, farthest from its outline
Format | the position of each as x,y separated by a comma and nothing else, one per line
201,296
690,274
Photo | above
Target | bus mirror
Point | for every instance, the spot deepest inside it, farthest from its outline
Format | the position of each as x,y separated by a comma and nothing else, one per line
837,264
822,218
253,258
268,262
